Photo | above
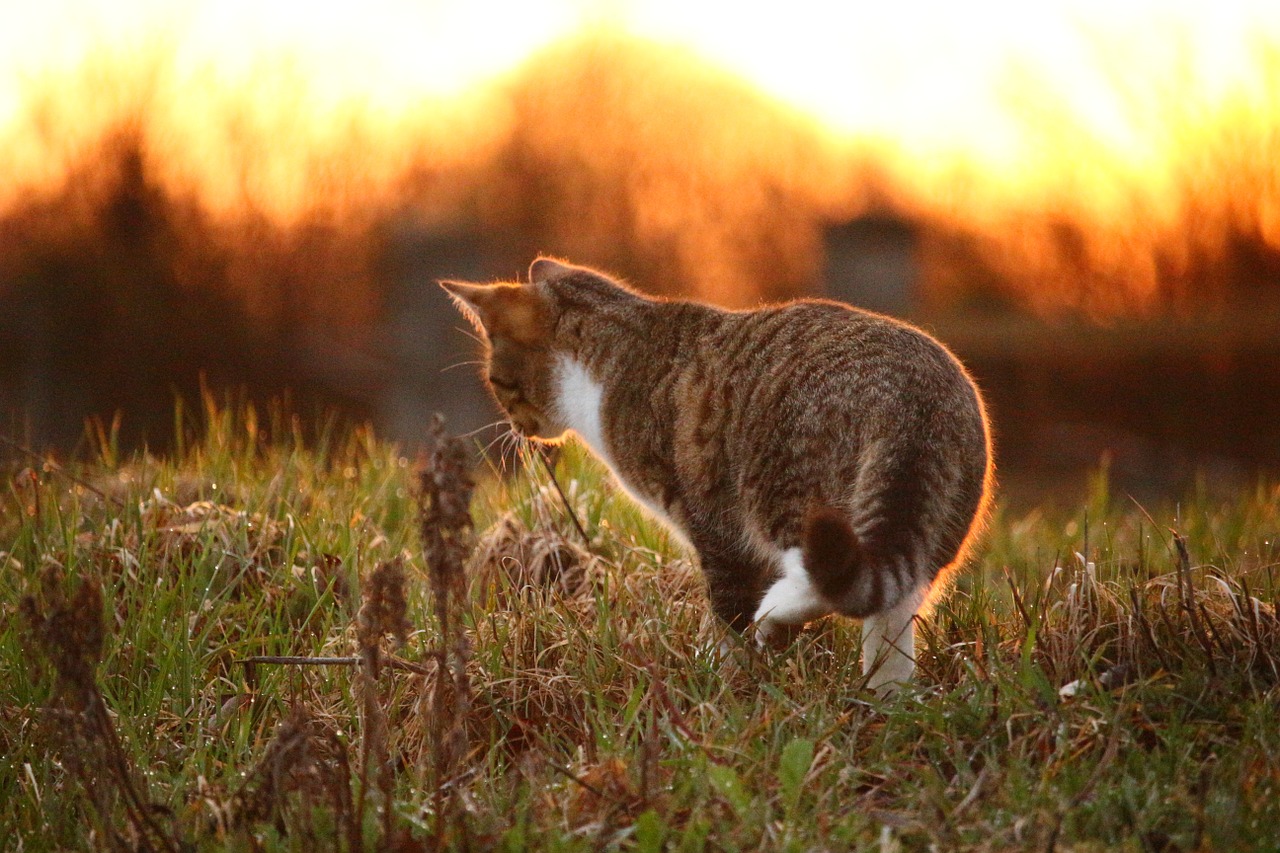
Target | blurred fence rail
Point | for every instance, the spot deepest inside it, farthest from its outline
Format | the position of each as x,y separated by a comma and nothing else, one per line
1163,400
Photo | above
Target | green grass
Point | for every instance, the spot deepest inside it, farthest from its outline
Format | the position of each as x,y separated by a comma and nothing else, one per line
596,716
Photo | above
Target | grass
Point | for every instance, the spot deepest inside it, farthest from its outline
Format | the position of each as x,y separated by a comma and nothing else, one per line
560,695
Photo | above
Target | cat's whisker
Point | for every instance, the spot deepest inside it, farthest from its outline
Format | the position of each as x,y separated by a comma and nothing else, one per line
496,458
497,462
488,426
504,436
473,362
528,451
512,448
470,334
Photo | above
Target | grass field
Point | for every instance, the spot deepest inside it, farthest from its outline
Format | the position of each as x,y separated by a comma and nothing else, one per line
566,699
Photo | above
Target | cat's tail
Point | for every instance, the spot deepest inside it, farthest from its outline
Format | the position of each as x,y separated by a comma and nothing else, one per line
835,560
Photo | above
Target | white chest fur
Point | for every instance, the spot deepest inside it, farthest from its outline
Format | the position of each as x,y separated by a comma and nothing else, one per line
579,399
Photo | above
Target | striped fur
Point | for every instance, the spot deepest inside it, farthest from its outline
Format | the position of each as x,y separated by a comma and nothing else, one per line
817,457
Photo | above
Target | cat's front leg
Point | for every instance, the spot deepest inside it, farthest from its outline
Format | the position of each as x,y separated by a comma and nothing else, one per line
748,592
790,602
734,584
733,606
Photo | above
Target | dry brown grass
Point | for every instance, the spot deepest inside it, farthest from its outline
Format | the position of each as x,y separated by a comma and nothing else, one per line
558,695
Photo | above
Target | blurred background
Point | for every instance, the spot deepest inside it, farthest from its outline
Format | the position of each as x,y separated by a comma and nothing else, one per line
1082,198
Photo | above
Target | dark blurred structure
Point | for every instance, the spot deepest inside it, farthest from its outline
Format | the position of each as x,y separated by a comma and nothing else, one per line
94,317
1160,402
116,297
872,261
431,355
1152,344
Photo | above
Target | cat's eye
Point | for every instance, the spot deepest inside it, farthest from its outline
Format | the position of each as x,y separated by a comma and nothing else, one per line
502,384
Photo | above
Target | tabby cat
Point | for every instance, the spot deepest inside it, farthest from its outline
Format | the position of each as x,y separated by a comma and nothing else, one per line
818,458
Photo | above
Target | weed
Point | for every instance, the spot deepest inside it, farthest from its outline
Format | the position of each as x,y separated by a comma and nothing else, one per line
532,688
68,630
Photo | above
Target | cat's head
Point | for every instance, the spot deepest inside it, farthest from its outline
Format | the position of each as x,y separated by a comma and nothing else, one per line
517,325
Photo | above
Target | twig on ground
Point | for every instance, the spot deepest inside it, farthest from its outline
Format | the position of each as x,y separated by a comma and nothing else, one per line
53,467
564,499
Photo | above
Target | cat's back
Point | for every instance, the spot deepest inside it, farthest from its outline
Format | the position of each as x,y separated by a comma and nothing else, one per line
808,358
785,405
854,452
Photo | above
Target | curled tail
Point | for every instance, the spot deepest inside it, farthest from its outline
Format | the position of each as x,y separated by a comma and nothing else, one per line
840,568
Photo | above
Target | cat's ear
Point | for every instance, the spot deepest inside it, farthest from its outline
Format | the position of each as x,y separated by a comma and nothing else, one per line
476,301
500,309
546,268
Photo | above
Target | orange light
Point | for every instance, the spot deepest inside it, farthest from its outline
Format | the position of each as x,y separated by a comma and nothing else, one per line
975,110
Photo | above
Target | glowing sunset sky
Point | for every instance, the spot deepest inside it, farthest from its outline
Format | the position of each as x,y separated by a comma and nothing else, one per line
994,84
932,74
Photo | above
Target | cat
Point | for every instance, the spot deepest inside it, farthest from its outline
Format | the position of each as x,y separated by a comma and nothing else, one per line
817,458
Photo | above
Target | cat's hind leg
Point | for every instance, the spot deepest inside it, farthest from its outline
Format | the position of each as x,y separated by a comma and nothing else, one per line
888,644
880,584
792,600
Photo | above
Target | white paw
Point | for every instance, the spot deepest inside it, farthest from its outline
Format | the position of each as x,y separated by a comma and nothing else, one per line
891,673
887,688
765,632
791,600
